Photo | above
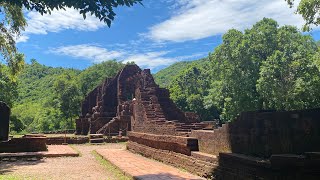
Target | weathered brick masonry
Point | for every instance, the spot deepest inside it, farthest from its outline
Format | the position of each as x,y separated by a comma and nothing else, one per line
133,101
257,145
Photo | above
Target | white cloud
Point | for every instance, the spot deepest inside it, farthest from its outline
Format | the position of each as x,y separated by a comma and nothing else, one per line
58,21
151,60
85,51
97,54
197,19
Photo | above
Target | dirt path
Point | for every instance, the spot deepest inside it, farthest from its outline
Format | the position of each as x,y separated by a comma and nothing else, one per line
84,167
143,168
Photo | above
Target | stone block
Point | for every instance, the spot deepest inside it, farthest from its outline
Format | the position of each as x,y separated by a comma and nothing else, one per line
4,121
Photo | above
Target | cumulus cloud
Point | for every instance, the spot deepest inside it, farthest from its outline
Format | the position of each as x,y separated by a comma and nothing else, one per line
98,54
85,51
57,21
197,19
151,59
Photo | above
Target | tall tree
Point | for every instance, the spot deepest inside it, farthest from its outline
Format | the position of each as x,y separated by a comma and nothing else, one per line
289,79
8,79
189,87
310,11
266,67
68,95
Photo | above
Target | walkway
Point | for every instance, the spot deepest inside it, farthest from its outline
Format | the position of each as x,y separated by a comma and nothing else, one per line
64,168
143,168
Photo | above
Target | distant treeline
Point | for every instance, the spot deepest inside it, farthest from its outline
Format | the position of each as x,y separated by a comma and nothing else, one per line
265,67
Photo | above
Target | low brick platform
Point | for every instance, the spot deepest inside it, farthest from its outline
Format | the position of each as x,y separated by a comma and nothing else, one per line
179,144
53,151
139,167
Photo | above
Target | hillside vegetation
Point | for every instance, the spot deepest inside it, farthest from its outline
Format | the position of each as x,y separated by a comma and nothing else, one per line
264,67
50,98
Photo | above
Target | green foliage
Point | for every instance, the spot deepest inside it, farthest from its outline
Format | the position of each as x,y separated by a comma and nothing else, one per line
103,10
189,87
94,75
309,9
8,79
68,96
266,67
288,78
48,98
165,76
12,23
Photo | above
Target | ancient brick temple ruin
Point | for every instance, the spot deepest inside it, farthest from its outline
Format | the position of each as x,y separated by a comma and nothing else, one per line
257,145
132,101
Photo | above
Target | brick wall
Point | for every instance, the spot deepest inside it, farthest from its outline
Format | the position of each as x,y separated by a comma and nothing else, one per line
28,144
179,144
262,134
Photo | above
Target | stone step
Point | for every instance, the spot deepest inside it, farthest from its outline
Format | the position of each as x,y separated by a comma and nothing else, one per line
95,136
97,140
160,120
183,133
205,157
208,129
183,130
152,117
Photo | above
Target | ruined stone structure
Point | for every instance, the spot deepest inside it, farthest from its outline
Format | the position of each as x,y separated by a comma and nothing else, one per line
132,101
4,121
257,145
24,144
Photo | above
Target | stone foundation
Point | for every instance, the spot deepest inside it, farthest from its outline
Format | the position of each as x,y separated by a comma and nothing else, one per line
69,140
27,144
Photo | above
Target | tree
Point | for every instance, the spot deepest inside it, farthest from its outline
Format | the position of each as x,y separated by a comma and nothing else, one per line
102,9
94,75
310,11
8,79
189,87
289,79
266,67
69,97
12,23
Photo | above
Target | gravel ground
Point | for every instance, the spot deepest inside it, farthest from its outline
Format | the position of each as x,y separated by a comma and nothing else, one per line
84,167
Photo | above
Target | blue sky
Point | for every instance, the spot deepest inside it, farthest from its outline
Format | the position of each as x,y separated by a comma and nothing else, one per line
154,35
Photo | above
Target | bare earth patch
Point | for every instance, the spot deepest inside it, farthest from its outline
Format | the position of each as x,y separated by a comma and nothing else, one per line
84,167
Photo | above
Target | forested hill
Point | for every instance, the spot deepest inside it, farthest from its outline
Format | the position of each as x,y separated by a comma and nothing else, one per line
166,75
189,83
45,94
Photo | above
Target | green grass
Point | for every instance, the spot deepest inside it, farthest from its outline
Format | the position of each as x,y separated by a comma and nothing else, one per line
110,167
